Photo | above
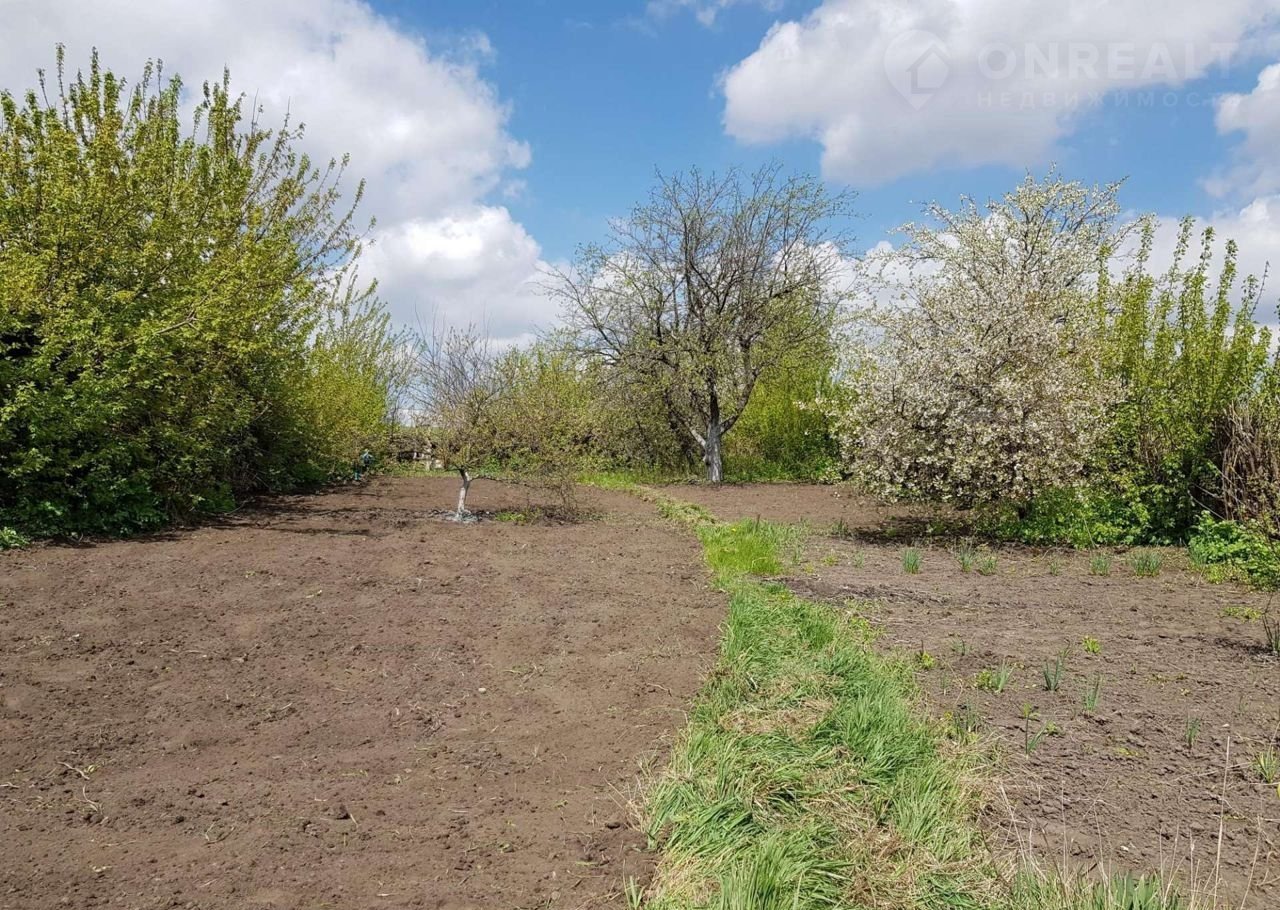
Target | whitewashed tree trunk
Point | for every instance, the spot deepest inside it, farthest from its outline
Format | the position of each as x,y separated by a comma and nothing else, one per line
462,495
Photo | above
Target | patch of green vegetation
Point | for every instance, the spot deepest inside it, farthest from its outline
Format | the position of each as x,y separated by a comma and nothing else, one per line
987,564
965,556
1100,564
1191,731
911,560
994,679
12,539
1266,764
1091,645
750,547
1053,674
1146,563
1093,694
1228,550
1248,614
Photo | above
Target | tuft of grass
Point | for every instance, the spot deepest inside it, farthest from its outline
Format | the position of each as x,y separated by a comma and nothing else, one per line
1100,564
1248,614
1266,764
1055,566
1146,563
966,556
994,679
1091,645
1191,732
685,513
911,559
1053,674
1093,693
987,564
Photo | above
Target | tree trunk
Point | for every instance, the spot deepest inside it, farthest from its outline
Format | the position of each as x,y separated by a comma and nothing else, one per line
712,456
462,495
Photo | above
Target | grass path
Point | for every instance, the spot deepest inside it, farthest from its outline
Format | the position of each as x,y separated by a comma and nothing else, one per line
808,776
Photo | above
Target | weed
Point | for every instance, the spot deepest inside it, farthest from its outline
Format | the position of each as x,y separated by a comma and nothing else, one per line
1267,765
1271,632
1248,614
1053,674
1091,645
1055,566
1146,563
965,556
987,565
960,647
1093,693
858,560
830,559
1191,731
1031,741
966,722
841,529
911,560
994,679
12,539
1100,564
925,660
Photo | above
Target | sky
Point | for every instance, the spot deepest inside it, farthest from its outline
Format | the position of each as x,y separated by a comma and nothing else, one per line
498,136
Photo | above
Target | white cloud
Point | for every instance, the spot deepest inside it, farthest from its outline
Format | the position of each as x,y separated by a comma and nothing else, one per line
419,119
475,266
1257,116
891,87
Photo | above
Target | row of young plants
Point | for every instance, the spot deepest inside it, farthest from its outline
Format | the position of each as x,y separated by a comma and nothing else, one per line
809,777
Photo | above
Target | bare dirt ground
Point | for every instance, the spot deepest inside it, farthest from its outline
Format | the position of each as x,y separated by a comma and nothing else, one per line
1119,787
339,701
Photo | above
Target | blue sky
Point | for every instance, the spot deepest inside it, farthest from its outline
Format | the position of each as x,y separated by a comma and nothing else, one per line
605,94
496,136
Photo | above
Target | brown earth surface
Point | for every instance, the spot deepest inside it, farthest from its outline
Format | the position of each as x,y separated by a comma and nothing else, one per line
343,701
1118,788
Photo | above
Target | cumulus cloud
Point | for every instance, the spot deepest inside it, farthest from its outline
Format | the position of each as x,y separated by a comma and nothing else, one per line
891,87
422,124
474,266
1256,116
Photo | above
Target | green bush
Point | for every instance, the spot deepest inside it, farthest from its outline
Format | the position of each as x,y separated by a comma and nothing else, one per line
180,325
1229,549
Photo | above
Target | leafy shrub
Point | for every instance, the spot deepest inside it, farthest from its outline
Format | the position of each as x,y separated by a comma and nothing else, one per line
180,322
1229,549
12,539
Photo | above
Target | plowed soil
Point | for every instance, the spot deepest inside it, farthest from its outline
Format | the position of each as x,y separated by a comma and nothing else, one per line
343,701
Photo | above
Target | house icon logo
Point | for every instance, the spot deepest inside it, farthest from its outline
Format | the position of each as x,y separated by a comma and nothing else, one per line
918,65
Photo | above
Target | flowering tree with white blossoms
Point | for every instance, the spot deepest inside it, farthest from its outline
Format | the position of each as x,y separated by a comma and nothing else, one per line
981,378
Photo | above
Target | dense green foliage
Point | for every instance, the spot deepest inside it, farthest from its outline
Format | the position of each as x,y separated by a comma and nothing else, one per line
1229,549
181,321
1184,351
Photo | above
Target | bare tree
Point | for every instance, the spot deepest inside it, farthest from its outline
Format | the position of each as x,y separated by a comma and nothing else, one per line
708,285
459,391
